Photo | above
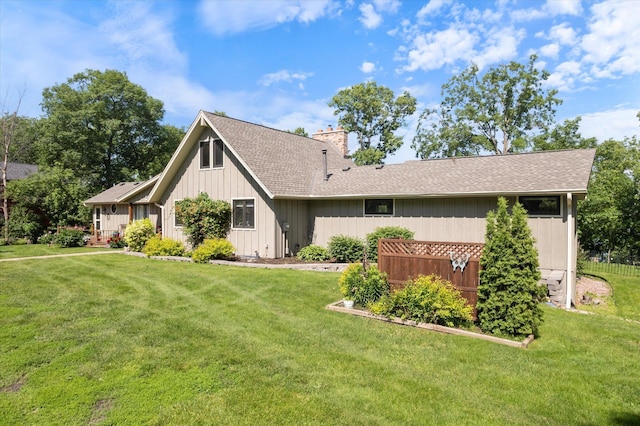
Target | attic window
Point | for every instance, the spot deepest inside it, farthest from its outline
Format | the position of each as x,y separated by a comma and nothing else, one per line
378,207
211,156
541,205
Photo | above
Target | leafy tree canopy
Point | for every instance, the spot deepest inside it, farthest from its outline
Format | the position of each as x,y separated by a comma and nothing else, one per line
498,112
299,131
104,127
564,136
373,113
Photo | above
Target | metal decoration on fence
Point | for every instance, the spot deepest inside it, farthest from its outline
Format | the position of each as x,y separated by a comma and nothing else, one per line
459,261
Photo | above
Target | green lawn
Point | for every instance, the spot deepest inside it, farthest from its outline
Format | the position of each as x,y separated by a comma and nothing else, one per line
626,293
30,250
126,340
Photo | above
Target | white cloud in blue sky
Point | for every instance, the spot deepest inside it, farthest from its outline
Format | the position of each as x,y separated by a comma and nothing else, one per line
278,62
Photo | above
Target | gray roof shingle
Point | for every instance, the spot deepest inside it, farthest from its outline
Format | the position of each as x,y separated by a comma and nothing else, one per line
534,172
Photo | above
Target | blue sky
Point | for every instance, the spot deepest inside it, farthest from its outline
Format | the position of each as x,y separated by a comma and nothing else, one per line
278,63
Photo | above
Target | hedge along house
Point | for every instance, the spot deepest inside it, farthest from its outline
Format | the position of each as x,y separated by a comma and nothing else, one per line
289,191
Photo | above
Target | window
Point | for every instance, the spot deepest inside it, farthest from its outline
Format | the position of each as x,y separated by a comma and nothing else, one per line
140,211
210,156
379,207
541,205
176,222
243,214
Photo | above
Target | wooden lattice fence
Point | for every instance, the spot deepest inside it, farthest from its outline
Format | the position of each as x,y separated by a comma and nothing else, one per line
403,260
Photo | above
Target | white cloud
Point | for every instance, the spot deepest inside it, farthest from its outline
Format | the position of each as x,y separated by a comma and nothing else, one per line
499,45
563,34
550,9
370,19
613,42
367,67
550,50
435,49
613,124
283,75
390,6
230,17
432,8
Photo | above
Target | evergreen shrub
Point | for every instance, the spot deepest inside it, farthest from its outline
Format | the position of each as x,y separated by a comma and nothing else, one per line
346,249
509,295
385,232
137,233
429,299
313,253
215,248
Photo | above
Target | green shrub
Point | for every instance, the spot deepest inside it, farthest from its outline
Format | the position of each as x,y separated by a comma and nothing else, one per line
203,218
48,238
508,294
158,246
137,233
384,232
70,238
363,286
313,253
346,249
116,241
4,242
215,248
429,299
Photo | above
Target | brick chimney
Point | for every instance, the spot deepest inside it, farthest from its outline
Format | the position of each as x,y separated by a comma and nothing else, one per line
338,137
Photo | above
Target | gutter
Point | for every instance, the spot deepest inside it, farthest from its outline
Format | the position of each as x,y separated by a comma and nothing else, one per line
570,236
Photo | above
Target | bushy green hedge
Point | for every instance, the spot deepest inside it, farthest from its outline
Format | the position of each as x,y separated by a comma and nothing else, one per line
137,233
509,295
313,253
346,249
70,238
363,286
384,232
203,218
158,246
429,299
215,248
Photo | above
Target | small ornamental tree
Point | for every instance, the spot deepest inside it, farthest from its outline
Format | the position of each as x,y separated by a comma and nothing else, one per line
203,218
509,295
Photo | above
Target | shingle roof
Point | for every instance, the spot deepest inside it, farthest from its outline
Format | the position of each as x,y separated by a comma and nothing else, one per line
284,162
286,165
534,172
121,192
17,171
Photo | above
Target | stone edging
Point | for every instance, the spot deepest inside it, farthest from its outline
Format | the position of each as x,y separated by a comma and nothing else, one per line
337,306
321,267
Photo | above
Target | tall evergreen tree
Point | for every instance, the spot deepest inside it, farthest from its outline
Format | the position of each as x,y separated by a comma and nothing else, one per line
509,294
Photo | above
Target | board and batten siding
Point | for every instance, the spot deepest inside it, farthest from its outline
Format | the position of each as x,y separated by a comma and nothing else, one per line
296,214
435,219
229,182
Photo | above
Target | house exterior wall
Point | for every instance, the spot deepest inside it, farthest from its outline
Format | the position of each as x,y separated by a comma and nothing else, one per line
436,219
116,222
296,214
229,182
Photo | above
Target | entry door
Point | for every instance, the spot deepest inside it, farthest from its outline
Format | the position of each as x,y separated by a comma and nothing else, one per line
97,218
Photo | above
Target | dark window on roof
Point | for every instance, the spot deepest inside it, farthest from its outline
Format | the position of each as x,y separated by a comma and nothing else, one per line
546,205
380,206
211,156
244,214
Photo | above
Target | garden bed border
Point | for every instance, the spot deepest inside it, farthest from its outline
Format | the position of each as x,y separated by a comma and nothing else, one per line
338,307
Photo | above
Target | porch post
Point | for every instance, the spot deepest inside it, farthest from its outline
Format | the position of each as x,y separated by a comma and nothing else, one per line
570,235
130,213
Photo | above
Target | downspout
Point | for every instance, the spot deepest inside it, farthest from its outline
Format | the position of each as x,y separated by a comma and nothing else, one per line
161,207
570,237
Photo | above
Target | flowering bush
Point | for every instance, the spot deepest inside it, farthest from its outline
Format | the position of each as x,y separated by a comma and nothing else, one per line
116,241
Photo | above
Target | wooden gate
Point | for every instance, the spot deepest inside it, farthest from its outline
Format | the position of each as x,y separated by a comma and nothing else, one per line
403,260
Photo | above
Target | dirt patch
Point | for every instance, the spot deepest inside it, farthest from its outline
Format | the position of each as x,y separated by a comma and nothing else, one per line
99,411
13,387
592,291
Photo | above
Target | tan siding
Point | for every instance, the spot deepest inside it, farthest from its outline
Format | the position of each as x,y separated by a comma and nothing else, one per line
227,183
295,213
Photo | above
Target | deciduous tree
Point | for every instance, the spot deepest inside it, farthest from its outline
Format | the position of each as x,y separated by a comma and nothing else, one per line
499,112
104,127
373,113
